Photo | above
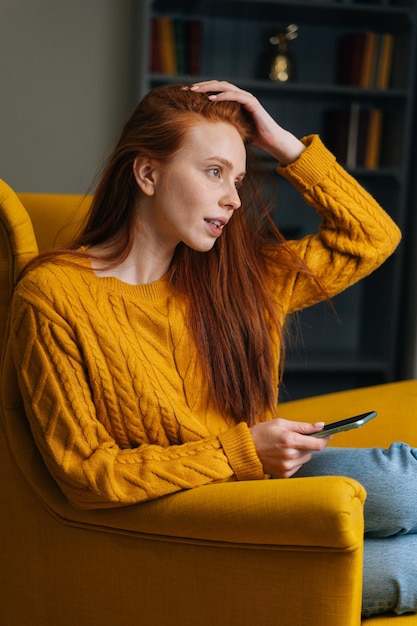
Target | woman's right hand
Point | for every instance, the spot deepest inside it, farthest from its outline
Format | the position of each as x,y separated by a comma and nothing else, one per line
271,137
283,446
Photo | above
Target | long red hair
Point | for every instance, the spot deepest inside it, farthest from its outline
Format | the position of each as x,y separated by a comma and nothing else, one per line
230,310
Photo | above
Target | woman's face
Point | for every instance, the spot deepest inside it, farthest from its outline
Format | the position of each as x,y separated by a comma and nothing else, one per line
196,193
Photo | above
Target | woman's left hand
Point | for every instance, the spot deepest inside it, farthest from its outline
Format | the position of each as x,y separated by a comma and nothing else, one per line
270,137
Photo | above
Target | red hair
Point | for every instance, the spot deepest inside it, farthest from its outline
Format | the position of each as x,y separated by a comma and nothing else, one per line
231,313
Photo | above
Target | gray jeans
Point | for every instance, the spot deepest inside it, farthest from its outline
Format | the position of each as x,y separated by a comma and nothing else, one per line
390,560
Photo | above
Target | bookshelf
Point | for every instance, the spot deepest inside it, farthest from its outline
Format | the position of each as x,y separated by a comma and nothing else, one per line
230,41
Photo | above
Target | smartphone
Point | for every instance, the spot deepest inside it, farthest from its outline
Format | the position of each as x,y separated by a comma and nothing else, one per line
347,424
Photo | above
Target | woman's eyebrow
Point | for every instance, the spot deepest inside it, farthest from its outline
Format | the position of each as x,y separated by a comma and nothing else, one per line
225,162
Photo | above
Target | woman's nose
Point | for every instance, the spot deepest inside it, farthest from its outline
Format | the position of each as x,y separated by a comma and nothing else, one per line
232,198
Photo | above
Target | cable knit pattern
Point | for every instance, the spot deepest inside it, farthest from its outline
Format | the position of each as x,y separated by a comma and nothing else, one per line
113,389
355,235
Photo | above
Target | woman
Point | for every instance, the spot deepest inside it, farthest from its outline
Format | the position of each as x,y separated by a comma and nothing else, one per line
149,353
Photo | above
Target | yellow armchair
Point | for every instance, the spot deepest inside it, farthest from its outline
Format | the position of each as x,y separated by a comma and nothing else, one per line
268,553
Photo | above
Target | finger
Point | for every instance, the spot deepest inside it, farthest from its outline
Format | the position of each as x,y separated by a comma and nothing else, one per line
303,442
288,469
315,444
292,434
223,89
221,85
305,428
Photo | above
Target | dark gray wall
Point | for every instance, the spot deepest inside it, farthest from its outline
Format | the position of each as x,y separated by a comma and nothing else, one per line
67,85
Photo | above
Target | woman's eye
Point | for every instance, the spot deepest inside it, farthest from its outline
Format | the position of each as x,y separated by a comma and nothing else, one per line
215,171
238,184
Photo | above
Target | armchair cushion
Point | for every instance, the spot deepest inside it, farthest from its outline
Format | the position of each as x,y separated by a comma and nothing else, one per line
395,403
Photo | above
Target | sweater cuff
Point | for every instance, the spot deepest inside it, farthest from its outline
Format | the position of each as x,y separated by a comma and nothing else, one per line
311,165
240,450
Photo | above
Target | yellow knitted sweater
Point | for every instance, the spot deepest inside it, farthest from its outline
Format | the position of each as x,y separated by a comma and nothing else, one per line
110,377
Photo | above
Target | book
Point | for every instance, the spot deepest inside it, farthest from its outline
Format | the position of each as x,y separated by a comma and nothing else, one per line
364,59
353,134
194,46
155,53
166,42
180,46
176,46
350,52
374,134
336,132
383,76
368,60
362,137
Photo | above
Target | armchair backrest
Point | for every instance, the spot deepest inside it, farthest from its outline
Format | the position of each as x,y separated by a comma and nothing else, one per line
55,217
17,247
29,223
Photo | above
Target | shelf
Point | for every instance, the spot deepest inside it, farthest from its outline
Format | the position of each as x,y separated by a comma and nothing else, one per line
341,362
394,174
313,13
313,90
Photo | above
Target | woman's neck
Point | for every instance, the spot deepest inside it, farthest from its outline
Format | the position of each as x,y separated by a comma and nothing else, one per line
141,266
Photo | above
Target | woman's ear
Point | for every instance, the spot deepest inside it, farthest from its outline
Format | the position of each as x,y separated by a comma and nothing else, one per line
144,173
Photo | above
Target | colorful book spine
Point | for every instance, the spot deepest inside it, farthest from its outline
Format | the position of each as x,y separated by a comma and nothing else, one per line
176,46
385,61
374,135
166,40
194,46
155,52
364,59
354,134
180,45
368,60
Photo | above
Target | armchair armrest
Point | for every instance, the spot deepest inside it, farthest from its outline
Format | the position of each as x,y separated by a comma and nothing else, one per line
323,511
268,552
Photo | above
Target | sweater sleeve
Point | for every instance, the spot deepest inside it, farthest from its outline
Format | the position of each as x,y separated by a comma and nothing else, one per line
355,235
92,470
